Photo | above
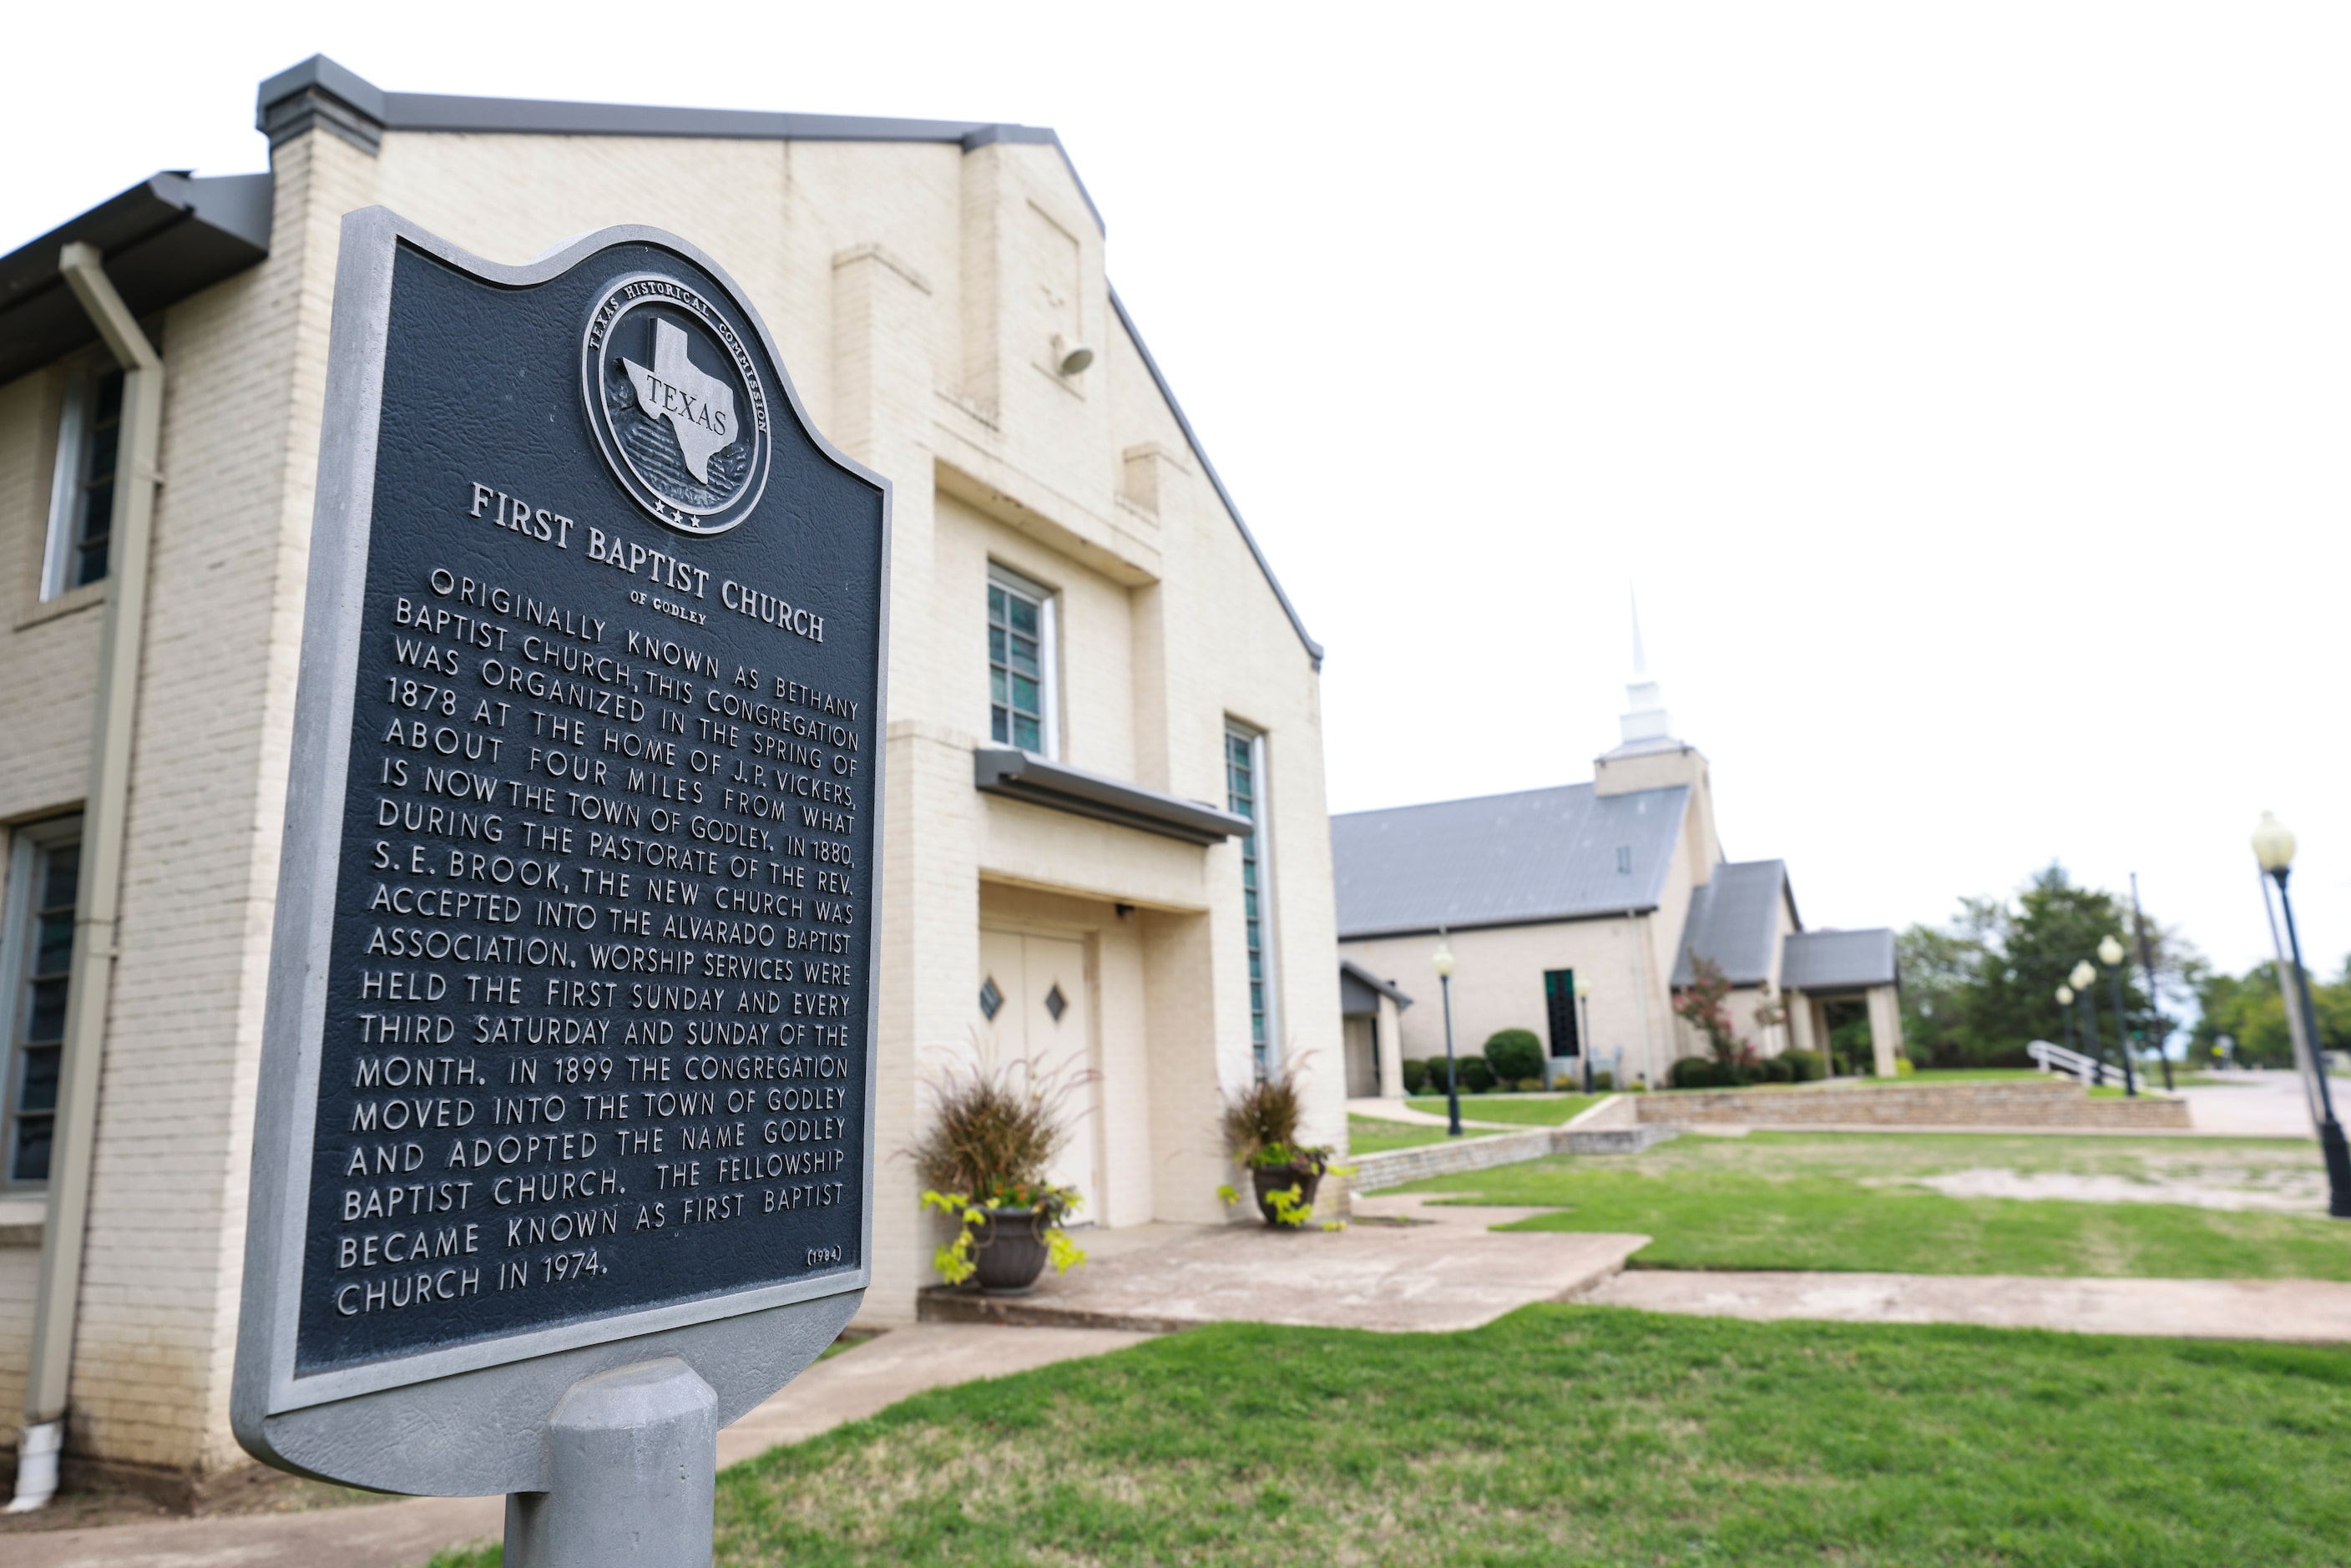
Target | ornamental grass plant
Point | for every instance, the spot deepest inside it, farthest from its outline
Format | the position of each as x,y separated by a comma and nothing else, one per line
1261,1123
993,1129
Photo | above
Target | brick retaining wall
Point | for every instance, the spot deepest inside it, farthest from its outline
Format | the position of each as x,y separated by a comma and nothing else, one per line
1394,1167
1999,1102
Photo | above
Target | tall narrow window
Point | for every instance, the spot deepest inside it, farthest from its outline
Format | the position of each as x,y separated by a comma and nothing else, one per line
1245,796
81,502
44,873
1021,698
1559,1004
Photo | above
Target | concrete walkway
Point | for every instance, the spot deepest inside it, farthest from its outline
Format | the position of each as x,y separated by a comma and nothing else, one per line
2255,1106
1405,1268
849,1386
2298,1311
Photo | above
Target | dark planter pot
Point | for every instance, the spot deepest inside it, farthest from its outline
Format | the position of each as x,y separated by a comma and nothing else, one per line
1270,1180
1008,1250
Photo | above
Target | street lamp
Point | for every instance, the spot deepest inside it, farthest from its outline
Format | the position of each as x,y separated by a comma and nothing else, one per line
2110,954
2274,848
1584,1026
2083,977
2065,1011
1443,959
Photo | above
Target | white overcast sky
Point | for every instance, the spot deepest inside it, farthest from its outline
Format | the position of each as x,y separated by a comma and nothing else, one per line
1964,388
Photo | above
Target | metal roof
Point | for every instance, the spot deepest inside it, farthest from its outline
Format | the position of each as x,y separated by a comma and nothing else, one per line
1359,990
1734,920
162,239
1838,960
1503,860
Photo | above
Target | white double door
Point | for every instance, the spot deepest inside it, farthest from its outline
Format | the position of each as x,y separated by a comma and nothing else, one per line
1044,1017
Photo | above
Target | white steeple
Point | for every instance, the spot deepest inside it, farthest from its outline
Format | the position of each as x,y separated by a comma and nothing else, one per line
1646,717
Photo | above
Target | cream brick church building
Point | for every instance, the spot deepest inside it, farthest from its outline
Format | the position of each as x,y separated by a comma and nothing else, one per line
1615,888
1105,824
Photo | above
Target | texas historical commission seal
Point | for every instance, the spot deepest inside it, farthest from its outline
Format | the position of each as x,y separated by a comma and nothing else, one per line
675,398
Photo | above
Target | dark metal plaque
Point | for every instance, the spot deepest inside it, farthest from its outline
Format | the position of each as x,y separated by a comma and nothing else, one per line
574,1039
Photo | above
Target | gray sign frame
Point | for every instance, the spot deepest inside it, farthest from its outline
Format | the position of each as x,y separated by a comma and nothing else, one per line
467,1420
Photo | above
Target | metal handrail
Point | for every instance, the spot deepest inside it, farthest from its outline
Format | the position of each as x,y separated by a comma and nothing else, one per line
2053,1058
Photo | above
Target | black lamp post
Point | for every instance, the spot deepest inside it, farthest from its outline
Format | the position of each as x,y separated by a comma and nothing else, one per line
2083,977
2110,954
2273,847
2156,1029
2065,1011
1444,962
1584,1026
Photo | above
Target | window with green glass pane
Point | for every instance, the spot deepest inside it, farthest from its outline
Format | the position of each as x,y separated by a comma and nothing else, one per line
44,958
1244,761
1018,661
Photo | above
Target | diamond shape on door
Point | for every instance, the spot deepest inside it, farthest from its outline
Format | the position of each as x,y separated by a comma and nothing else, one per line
990,999
1056,1003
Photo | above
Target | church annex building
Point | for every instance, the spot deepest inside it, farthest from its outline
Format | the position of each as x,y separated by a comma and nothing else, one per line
1618,886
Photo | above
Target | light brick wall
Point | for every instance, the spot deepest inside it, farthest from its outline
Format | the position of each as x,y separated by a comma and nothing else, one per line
902,283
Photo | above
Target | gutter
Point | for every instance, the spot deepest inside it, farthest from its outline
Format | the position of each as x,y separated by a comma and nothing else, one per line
98,902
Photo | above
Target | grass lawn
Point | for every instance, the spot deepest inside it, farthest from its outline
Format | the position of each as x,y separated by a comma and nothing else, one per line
1370,1135
1846,1201
1533,1110
1585,1435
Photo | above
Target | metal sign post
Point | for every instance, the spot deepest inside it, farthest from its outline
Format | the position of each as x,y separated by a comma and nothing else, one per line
563,1154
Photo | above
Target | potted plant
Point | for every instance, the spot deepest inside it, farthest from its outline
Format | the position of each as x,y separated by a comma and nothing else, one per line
1261,1132
982,1159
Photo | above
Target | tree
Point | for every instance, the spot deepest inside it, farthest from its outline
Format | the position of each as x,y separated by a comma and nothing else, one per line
1939,965
1699,1004
2252,1012
2054,927
1979,988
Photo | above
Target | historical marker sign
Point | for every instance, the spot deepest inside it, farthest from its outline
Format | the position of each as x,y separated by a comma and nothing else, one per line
570,1041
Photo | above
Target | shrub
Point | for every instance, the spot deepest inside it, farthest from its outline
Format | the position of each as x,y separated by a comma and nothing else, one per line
1476,1077
1514,1053
1415,1074
1693,1072
1805,1066
1603,1082
1774,1069
1904,1067
1529,1086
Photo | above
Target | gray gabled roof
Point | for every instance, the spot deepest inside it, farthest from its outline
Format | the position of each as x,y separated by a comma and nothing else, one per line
1734,920
1837,960
1503,860
1359,990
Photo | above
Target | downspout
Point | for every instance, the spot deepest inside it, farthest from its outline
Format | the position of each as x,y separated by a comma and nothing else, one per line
99,898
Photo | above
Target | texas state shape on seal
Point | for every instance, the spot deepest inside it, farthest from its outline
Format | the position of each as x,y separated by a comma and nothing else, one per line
700,408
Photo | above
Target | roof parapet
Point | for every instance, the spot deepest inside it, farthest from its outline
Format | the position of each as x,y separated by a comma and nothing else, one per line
319,92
